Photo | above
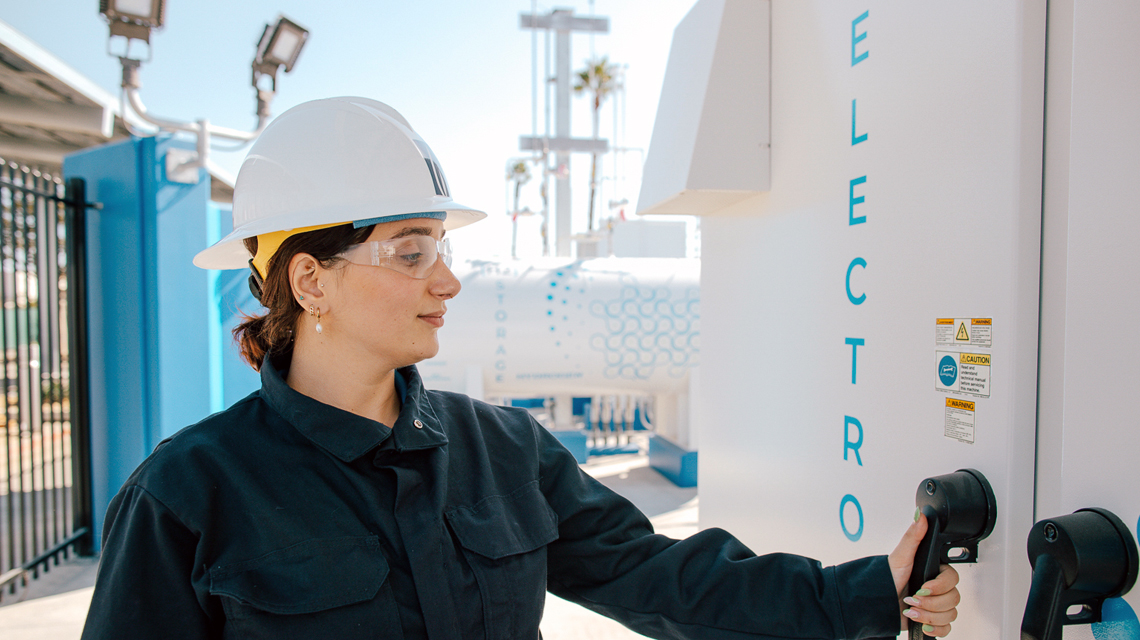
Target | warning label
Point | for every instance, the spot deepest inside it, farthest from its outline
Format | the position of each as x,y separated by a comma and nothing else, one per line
962,362
963,372
963,332
960,420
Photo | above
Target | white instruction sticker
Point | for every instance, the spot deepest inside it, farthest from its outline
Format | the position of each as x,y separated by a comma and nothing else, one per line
960,420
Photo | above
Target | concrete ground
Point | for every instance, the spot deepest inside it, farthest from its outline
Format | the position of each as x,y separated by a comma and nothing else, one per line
54,606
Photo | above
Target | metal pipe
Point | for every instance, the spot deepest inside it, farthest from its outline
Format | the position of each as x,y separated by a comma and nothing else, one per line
234,134
191,127
131,85
137,106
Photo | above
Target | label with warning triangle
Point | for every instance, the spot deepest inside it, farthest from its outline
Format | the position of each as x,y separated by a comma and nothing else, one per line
962,366
963,332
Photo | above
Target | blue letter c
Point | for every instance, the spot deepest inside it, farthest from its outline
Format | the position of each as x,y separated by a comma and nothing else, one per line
857,262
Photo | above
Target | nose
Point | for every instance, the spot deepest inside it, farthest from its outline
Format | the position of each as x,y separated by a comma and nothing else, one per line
443,283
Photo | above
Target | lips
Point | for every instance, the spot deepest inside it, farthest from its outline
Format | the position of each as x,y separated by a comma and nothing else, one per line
434,319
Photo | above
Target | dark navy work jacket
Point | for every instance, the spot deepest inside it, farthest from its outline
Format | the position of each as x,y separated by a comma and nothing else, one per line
282,517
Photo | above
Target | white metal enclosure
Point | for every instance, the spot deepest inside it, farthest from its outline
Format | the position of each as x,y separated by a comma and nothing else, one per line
943,274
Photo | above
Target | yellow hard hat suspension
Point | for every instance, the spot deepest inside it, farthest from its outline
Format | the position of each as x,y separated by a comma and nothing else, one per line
269,243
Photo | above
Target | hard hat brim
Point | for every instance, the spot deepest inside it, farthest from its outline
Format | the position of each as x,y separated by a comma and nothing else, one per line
329,162
230,251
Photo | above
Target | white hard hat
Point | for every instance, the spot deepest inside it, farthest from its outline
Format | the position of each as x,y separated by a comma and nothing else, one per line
330,162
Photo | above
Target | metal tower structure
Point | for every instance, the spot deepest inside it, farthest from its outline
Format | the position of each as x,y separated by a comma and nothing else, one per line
563,23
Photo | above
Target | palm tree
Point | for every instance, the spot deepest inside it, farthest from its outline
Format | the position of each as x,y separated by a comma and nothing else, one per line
519,173
599,78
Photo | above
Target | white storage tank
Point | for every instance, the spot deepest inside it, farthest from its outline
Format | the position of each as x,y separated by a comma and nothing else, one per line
558,325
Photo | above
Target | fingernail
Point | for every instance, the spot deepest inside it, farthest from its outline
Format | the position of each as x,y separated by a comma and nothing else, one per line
922,592
927,629
912,602
917,513
910,613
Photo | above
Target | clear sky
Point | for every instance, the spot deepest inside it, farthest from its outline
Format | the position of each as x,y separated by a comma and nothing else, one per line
459,71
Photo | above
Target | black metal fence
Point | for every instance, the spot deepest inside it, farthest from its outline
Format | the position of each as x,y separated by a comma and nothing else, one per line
45,477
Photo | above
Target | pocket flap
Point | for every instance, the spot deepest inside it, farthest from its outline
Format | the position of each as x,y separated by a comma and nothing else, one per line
309,576
502,526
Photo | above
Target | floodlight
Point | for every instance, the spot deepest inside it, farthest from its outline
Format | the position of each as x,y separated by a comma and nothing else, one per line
133,19
280,44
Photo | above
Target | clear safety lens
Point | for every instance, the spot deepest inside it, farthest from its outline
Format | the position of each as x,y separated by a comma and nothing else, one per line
413,256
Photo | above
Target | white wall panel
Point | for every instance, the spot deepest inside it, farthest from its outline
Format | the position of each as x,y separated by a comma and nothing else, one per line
950,97
1090,443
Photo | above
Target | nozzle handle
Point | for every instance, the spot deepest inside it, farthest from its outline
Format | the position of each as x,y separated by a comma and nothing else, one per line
927,561
1041,620
1079,559
960,510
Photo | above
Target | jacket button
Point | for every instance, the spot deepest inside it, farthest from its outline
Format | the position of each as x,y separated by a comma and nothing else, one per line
419,425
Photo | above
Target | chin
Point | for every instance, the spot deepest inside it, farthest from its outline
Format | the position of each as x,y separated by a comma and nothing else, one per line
420,355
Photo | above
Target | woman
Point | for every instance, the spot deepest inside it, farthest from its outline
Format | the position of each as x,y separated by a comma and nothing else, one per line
343,500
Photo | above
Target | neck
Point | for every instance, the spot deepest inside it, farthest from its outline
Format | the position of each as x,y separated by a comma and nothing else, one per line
344,380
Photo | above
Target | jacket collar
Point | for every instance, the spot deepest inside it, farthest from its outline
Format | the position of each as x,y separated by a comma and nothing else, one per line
347,435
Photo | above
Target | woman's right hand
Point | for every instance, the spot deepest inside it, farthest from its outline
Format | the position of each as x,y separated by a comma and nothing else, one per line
935,604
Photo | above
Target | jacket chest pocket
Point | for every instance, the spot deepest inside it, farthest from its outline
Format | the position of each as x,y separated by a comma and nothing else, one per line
504,541
326,587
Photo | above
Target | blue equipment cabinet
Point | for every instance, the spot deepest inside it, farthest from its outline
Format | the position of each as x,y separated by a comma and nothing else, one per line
156,324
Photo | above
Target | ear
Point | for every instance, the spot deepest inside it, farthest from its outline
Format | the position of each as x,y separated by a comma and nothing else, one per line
305,274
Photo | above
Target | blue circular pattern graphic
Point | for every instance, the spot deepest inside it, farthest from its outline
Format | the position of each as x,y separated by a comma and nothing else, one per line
643,332
947,370
648,328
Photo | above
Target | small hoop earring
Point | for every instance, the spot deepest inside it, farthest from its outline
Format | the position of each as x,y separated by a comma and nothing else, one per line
318,327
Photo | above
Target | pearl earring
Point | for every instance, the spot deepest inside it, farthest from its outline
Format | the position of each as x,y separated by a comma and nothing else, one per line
313,310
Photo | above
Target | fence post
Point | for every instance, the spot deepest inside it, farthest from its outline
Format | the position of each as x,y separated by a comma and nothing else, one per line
78,392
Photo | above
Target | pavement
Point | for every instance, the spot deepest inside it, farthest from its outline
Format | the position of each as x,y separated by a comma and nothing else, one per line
54,605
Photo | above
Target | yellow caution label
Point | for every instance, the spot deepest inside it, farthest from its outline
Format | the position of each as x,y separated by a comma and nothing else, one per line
988,322
975,358
962,333
954,403
949,321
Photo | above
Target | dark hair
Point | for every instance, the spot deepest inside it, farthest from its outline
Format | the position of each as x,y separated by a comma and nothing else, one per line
272,333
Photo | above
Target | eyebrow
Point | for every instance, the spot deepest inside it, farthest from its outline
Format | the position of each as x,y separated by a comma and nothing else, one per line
415,231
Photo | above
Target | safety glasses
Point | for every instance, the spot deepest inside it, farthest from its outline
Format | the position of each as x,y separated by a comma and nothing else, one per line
413,256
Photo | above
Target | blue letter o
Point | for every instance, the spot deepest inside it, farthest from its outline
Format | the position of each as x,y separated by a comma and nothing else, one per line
853,537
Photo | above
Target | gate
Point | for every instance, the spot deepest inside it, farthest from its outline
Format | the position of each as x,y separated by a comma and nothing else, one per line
45,476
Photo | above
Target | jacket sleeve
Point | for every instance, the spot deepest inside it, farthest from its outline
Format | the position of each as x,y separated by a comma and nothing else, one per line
708,586
144,585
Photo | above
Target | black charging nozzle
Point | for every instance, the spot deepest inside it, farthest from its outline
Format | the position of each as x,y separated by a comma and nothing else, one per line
1078,560
960,510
